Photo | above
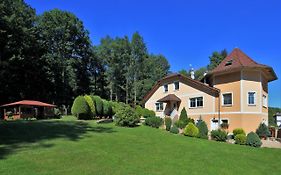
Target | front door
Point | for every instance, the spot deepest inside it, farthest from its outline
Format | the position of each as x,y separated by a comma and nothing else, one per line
214,124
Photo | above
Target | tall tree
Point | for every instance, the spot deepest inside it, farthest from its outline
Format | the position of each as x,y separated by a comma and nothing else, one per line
216,58
67,46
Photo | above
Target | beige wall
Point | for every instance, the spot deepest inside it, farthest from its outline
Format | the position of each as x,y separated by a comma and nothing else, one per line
184,93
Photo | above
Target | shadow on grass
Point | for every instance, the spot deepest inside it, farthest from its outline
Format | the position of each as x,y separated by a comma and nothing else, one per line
15,134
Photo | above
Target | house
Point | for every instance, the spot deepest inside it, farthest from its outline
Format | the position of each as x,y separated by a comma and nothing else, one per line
235,93
277,118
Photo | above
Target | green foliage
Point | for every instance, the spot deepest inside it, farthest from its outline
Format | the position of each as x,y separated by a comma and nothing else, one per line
253,140
126,116
263,131
174,130
191,130
80,108
183,119
168,123
143,112
98,104
240,139
91,104
238,131
216,58
154,122
219,135
107,108
271,113
203,129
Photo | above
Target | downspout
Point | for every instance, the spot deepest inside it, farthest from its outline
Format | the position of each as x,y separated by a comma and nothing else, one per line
219,109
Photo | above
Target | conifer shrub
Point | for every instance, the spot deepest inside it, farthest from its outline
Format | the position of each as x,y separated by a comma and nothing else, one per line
154,122
219,135
203,129
81,109
263,131
253,140
98,104
240,139
107,108
191,130
238,131
174,129
168,123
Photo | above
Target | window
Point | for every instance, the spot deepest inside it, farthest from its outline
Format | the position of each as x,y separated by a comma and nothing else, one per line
196,102
264,101
165,88
177,85
251,98
228,63
227,99
159,106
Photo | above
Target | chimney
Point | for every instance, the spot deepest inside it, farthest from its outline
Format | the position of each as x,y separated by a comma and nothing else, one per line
205,73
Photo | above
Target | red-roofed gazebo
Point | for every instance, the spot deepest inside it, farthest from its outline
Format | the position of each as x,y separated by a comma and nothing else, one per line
27,109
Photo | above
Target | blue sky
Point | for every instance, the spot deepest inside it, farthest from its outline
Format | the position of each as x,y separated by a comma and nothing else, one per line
187,31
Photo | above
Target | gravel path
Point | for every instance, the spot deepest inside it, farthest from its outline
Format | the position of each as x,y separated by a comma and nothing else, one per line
271,144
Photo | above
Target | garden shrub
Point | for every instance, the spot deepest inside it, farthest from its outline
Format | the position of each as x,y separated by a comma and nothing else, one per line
126,116
238,131
191,130
240,139
168,123
263,131
203,129
139,110
219,135
183,118
80,108
253,140
180,124
143,112
174,130
98,104
116,106
107,108
154,122
91,104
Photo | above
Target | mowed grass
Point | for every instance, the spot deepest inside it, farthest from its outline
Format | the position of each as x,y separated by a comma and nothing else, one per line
75,147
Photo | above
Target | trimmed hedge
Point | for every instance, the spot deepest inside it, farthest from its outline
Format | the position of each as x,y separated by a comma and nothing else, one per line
98,104
91,104
154,122
253,140
107,108
168,123
238,131
203,129
174,130
219,135
263,131
240,139
81,109
126,116
143,112
191,130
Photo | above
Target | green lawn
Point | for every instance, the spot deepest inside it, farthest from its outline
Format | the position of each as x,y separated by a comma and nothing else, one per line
77,147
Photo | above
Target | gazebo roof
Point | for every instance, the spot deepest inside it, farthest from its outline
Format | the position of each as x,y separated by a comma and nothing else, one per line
170,97
29,103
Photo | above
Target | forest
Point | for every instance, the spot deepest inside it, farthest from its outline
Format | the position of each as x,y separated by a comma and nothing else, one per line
50,57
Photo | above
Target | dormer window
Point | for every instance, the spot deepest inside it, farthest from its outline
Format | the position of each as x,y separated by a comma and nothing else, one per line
228,63
166,88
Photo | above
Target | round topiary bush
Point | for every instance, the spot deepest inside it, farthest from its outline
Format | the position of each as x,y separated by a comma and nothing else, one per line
253,140
238,131
154,122
203,129
98,104
240,139
168,123
174,130
107,109
91,104
263,131
191,130
126,116
219,135
81,109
